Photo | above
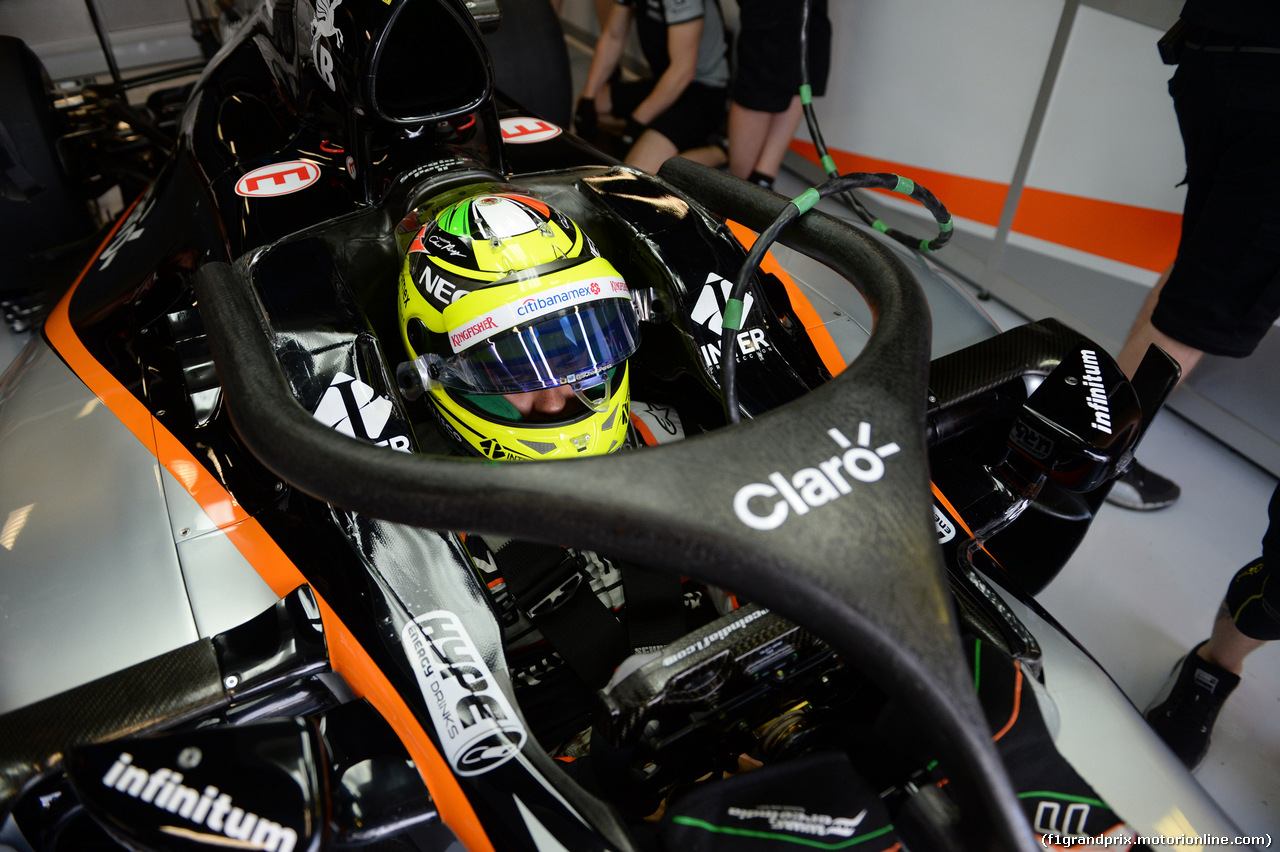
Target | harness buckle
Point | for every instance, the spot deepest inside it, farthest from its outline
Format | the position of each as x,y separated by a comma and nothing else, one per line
556,588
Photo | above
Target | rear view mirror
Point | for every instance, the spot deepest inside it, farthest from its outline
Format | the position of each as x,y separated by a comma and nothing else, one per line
430,64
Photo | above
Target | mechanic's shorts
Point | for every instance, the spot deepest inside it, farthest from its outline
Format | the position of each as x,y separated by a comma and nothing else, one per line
693,120
1253,597
767,59
1224,291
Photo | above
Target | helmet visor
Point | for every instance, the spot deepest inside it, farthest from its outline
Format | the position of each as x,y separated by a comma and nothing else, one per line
575,347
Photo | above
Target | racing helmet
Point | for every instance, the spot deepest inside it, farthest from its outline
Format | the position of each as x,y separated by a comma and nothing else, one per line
502,294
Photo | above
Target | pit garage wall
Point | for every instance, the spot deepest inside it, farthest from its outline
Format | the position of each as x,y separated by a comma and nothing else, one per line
1047,128
141,33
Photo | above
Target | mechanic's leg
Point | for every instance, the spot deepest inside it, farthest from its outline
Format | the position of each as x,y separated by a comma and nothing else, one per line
747,131
782,129
603,8
650,151
1250,613
707,155
1143,334
1227,646
604,104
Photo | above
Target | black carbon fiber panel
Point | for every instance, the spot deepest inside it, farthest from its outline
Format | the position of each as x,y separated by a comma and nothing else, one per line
154,694
1032,349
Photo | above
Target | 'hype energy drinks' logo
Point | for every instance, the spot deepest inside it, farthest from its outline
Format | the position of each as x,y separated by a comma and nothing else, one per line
477,727
540,304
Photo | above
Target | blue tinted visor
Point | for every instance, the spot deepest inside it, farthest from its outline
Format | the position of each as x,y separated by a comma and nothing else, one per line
575,347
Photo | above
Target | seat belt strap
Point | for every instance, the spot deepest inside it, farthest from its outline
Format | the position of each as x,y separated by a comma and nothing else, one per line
551,586
655,613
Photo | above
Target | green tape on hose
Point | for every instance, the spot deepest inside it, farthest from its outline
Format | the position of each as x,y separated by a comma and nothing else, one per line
806,94
733,314
880,226
829,165
905,185
806,200
947,225
925,245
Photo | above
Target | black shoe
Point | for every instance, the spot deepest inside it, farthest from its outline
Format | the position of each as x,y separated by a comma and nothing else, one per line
1140,489
1186,708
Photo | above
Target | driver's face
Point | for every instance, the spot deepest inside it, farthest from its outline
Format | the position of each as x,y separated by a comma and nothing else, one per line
545,404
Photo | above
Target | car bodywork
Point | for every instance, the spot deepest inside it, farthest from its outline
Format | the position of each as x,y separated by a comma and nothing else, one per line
171,477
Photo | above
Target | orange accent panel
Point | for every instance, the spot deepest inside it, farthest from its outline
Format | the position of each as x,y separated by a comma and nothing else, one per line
347,655
946,504
813,324
1138,236
971,198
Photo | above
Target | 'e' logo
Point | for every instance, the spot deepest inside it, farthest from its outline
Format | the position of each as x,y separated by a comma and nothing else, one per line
278,179
525,130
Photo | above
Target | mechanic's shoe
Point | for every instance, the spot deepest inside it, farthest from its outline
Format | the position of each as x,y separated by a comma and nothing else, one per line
1140,489
1186,708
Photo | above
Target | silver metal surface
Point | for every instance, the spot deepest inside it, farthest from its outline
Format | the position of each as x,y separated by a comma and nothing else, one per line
959,319
89,573
224,588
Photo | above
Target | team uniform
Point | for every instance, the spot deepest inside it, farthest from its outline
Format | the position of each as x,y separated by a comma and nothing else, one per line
1224,290
699,113
767,60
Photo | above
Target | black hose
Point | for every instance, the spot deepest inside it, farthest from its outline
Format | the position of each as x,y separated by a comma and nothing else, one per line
799,205
828,164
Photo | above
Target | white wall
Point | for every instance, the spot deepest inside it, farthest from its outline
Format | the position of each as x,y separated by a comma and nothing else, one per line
1110,132
944,86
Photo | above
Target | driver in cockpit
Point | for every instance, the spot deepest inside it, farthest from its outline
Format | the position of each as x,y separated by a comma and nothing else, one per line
519,329
520,334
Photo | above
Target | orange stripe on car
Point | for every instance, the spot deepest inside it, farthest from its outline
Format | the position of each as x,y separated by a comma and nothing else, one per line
813,324
946,504
348,656
1017,704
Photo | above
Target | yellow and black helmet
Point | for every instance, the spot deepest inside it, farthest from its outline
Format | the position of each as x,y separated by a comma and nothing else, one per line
501,294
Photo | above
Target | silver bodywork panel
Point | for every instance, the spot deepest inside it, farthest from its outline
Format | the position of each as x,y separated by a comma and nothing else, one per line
959,319
1108,742
91,574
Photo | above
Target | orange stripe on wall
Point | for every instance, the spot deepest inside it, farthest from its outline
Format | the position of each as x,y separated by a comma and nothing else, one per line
1138,236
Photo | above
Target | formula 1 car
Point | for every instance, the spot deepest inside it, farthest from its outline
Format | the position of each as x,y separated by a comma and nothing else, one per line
236,607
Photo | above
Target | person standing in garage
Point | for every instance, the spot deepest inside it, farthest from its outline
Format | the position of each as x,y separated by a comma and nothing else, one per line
766,108
1222,292
1221,296
682,107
